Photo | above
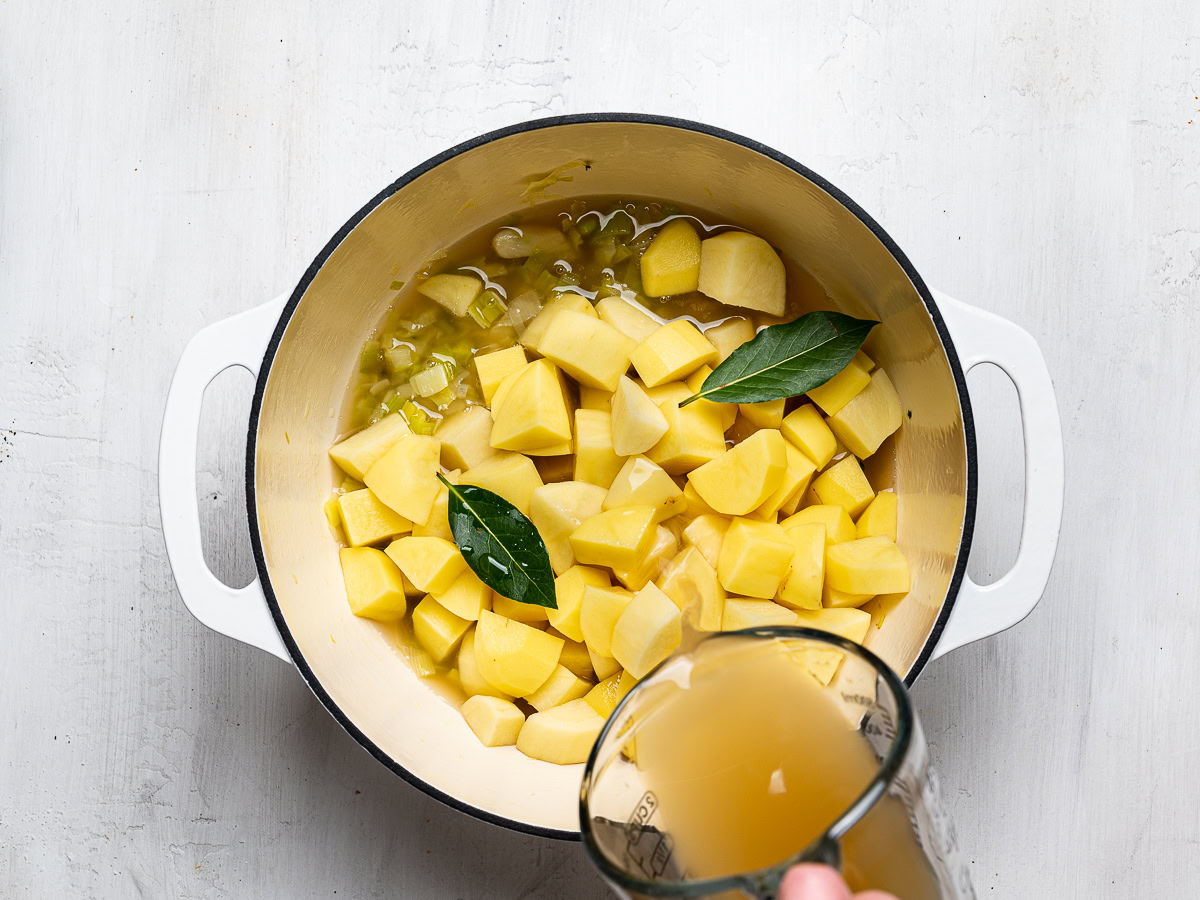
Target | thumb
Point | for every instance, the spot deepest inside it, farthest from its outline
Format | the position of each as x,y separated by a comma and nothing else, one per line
811,881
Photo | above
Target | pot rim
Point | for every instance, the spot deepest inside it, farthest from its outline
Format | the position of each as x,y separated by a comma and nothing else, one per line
960,383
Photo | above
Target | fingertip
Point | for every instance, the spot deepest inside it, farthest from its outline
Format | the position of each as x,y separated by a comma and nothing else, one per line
812,881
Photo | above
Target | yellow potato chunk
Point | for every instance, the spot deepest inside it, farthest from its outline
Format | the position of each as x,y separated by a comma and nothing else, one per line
742,269
563,735
821,664
754,558
466,597
841,388
603,666
362,449
437,629
365,520
595,398
670,392
529,613
588,349
870,418
637,423
513,656
567,301
596,462
617,538
671,264
755,614
746,475
673,352
494,367
833,518
844,484
801,587
496,722
726,413
852,624
605,696
694,504
642,483
706,533
405,479
648,630
438,523
455,292
556,510
872,565
832,598
374,586
561,687
430,563
627,317
533,413
805,428
469,676
729,335
694,436
466,437
879,518
600,610
652,564
865,362
574,656
511,475
795,480
692,584
767,414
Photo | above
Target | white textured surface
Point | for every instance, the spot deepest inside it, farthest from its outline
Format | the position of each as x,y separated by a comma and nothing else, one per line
163,165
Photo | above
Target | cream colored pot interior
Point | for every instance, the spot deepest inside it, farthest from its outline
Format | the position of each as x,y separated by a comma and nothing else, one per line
353,660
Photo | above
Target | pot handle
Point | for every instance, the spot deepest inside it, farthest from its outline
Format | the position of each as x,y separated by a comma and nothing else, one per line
240,613
983,610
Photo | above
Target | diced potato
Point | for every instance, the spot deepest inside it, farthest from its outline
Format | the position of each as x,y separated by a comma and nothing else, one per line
563,735
574,656
595,460
805,428
437,629
694,436
595,399
556,510
795,480
405,479
754,614
865,362
754,558
637,423
617,538
431,564
879,518
694,505
832,598
438,523
531,338
554,469
603,666
833,518
528,613
691,583
741,429
743,477
561,687
589,350
767,414
742,269
465,437
870,418
673,352
844,484
872,565
801,588
494,367
513,656
647,631
511,475
729,335
605,696
520,241
841,388
642,483
852,624
726,413
533,412
706,533
374,586
362,449
469,676
466,597
455,292
496,722
820,663
652,564
668,393
671,264
628,318
365,520
600,609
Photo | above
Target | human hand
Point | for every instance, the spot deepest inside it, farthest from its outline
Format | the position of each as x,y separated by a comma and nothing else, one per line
810,881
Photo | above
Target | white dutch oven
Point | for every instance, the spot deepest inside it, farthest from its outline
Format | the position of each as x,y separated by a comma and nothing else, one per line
304,347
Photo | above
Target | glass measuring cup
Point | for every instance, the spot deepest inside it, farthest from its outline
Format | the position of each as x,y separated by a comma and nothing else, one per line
759,749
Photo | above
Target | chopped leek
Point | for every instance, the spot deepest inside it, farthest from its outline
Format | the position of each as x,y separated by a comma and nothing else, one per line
418,418
371,357
621,223
486,309
398,358
587,225
430,380
534,266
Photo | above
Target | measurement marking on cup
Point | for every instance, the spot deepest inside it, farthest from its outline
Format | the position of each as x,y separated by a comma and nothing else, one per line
646,847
